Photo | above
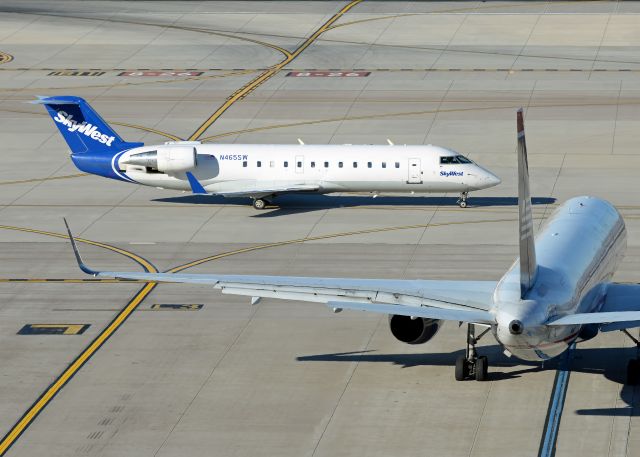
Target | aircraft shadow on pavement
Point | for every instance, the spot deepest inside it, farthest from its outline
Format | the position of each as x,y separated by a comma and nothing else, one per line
608,362
298,203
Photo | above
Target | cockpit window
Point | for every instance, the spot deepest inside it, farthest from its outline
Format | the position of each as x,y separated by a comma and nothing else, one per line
448,160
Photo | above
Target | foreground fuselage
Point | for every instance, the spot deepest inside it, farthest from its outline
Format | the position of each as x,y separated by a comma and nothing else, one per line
229,168
577,251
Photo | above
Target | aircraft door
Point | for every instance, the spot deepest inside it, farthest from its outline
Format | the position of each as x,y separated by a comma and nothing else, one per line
415,171
299,164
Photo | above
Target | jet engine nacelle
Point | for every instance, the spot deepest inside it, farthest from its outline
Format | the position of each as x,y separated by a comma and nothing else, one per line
413,331
171,159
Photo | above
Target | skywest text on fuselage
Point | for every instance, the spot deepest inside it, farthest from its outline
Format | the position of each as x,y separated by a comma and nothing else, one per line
89,130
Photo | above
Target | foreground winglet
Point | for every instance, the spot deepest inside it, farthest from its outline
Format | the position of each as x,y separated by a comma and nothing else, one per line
196,187
81,264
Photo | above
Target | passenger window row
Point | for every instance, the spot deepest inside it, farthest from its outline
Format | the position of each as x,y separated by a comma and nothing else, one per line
312,164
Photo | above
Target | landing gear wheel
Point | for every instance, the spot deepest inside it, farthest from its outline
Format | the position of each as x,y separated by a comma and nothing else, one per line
462,368
482,366
471,365
259,203
633,372
462,201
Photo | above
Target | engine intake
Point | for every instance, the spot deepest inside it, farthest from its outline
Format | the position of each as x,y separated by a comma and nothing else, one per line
413,331
168,159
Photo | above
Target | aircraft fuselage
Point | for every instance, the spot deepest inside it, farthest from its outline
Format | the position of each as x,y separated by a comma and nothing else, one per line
578,251
229,168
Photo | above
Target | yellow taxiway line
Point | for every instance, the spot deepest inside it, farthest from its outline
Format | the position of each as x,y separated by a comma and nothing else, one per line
19,427
266,75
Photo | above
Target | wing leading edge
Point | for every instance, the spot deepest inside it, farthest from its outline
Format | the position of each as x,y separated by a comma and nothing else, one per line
465,301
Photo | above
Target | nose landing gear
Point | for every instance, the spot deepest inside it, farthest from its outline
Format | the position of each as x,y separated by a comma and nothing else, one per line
462,201
471,365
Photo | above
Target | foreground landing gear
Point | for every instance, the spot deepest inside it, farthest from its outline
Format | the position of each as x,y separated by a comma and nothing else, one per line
471,365
260,203
633,367
462,201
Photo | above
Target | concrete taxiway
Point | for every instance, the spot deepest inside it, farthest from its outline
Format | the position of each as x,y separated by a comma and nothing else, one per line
284,378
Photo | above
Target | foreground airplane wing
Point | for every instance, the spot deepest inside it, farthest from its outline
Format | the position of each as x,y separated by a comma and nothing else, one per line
621,310
464,301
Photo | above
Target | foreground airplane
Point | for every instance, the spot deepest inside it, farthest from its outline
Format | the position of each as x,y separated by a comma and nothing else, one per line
557,292
261,172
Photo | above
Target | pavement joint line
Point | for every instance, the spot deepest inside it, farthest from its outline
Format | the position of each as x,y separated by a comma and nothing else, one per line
61,380
268,74
405,113
50,178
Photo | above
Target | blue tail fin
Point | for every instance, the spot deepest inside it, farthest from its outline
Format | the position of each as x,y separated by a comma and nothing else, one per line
82,128
94,145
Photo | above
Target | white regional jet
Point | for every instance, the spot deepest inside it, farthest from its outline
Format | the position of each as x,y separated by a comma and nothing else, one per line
261,172
558,291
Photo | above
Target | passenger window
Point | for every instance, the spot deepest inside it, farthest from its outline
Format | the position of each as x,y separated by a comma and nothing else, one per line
339,164
272,164
244,164
286,164
259,164
313,164
397,164
355,164
369,164
326,164
384,164
299,164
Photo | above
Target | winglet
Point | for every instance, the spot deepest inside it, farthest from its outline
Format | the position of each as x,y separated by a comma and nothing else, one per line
81,264
528,266
196,187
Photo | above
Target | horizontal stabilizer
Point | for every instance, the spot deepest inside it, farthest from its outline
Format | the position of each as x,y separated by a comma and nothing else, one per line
597,318
428,312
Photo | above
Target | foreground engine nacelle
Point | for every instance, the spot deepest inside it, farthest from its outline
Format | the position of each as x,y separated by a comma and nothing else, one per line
171,159
413,331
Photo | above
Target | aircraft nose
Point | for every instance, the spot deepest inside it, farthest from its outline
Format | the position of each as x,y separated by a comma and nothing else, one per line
491,180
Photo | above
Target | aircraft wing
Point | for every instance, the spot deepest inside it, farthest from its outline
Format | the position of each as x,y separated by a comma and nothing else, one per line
621,310
258,192
466,301
248,189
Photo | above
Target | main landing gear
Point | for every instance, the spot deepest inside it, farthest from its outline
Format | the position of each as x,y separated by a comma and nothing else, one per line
471,365
462,201
260,203
633,367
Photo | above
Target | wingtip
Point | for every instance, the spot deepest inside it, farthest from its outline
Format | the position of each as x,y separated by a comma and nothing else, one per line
81,264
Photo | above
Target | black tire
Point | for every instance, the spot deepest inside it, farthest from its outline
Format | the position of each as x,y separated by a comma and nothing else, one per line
462,368
462,204
259,203
633,372
482,368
